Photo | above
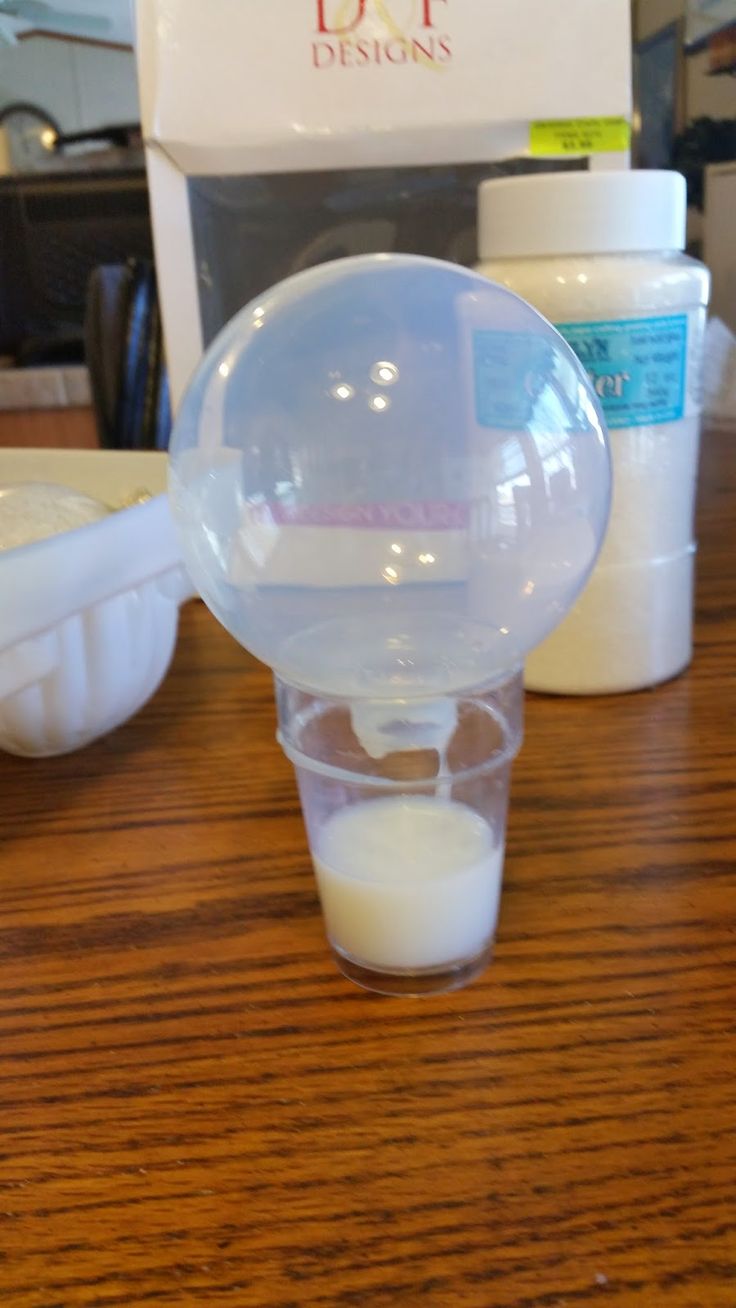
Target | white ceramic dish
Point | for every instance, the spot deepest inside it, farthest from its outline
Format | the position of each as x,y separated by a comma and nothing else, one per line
88,618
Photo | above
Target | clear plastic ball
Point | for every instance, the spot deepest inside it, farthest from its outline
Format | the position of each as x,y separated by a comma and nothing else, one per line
390,478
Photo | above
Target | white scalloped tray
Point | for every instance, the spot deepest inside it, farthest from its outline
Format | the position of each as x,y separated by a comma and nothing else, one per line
88,618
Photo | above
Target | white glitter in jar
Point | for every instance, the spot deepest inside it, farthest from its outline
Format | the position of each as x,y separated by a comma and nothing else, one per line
600,255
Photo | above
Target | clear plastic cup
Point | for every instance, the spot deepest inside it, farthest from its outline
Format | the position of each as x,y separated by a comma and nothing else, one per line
407,842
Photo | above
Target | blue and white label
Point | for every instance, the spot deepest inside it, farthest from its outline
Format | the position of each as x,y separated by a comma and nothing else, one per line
637,366
511,370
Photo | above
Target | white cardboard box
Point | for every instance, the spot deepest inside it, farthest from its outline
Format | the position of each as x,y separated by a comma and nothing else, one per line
250,107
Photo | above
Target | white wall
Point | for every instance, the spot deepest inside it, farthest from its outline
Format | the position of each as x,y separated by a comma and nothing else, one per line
80,85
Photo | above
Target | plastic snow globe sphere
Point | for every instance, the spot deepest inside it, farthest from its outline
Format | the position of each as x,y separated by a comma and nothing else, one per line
390,478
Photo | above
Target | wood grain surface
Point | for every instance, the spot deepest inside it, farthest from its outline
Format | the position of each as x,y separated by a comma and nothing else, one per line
195,1108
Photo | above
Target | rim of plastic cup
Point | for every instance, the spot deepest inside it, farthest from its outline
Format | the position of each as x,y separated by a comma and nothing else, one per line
502,757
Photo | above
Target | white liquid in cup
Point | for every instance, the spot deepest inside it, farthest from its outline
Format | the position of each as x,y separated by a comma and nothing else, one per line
408,883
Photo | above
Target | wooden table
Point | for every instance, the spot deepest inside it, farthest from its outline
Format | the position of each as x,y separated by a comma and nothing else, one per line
197,1109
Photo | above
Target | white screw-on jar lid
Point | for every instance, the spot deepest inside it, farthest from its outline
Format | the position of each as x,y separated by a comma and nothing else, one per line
581,213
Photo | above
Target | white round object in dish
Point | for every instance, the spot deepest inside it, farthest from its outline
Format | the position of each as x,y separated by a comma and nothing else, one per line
88,617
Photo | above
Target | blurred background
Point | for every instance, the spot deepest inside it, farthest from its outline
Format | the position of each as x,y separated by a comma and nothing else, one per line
73,194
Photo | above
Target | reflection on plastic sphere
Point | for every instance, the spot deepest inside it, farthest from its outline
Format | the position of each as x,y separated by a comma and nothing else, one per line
390,477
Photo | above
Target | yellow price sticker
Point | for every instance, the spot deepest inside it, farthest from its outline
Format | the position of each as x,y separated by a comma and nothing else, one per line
556,136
